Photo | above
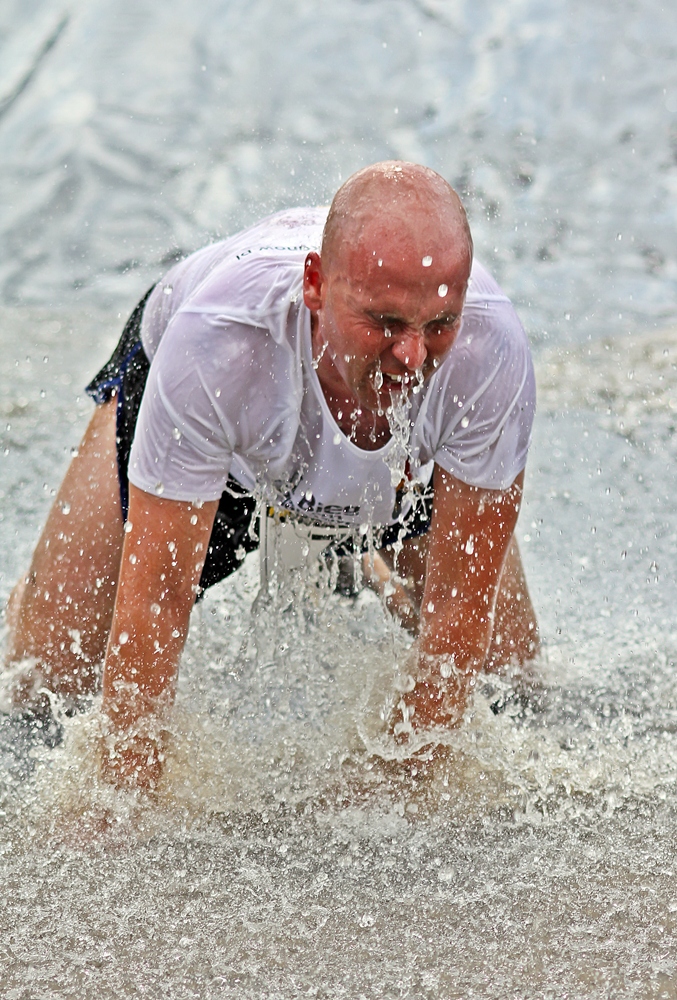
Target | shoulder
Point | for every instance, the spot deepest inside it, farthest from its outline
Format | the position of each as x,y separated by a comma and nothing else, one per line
489,369
250,277
492,341
260,270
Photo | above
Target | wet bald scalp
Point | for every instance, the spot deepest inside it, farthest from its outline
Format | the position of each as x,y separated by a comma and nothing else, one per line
392,193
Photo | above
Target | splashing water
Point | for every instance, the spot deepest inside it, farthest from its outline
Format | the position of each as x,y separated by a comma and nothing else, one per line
400,430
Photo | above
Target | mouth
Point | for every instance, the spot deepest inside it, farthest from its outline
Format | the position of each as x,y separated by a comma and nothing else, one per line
390,381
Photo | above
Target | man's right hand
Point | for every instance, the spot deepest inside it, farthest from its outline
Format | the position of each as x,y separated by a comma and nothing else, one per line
132,761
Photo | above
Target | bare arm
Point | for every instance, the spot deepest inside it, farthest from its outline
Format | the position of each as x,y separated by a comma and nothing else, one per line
162,558
469,539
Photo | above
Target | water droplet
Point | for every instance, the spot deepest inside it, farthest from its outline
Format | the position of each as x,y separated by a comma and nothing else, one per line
171,546
128,527
379,262
430,607
465,421
316,361
217,393
65,507
193,518
175,633
168,289
337,439
155,609
470,545
176,434
427,260
442,290
159,488
123,638
133,559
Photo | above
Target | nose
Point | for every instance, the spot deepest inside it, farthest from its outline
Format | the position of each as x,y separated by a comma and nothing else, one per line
410,349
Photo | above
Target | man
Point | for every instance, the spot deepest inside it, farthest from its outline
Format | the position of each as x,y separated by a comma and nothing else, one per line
330,384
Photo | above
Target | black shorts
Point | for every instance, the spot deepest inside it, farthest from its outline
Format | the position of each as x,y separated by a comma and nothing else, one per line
234,534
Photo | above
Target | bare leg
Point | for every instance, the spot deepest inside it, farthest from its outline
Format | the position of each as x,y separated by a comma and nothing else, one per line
410,567
59,614
515,638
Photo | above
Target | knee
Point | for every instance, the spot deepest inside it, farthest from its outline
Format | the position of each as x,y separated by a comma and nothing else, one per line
13,609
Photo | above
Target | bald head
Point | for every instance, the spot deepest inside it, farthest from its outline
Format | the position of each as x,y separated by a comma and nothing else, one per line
394,197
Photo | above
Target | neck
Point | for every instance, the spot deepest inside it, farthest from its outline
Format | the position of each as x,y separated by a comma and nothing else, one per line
363,427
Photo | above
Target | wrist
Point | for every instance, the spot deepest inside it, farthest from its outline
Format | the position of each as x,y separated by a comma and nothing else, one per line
434,693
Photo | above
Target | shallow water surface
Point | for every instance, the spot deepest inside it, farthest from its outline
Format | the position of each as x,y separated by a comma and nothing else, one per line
288,852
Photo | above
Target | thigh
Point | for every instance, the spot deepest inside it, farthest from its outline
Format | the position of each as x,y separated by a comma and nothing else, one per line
515,638
408,560
62,609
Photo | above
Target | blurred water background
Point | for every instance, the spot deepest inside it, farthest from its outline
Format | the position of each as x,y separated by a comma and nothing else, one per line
287,856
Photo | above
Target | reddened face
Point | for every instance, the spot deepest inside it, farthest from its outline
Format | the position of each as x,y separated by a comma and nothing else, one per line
387,306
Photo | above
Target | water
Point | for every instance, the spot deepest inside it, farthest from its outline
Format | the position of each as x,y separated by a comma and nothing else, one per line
288,852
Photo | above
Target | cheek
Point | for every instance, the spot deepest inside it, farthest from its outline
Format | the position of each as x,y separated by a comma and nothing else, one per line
367,346
440,346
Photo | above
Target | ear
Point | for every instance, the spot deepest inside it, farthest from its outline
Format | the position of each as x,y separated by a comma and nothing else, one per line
313,282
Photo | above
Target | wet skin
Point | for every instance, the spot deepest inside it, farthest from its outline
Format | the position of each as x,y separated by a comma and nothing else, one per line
377,312
385,311
131,593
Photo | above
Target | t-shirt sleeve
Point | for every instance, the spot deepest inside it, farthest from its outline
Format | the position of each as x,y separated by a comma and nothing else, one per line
481,409
212,391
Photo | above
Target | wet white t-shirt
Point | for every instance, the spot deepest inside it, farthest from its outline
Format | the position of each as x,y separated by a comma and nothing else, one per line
232,389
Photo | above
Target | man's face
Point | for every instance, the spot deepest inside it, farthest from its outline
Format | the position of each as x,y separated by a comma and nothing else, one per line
386,312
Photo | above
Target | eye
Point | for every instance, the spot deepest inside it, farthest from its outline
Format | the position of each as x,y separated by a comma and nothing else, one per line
443,326
390,324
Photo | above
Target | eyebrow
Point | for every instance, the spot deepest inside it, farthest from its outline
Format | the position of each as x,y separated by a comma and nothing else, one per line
380,317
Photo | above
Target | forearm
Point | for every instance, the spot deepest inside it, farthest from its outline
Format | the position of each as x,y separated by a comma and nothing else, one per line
162,557
469,538
142,659
456,632
452,648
